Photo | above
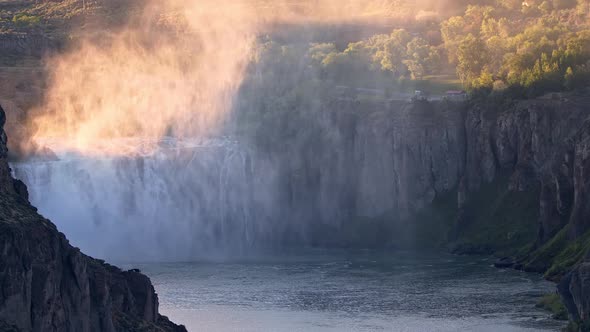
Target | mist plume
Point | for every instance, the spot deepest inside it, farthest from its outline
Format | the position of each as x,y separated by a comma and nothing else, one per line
173,69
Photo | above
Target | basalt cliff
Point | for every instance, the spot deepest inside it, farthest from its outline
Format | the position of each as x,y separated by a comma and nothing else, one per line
48,285
492,175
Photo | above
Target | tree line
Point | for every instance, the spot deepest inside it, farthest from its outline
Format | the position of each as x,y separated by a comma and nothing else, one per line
536,45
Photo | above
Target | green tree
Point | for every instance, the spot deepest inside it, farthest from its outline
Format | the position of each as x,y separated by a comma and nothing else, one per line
497,48
389,51
418,54
490,28
472,57
318,51
451,31
485,80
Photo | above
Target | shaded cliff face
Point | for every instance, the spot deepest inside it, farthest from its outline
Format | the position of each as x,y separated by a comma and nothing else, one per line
385,156
26,44
538,144
350,162
353,173
48,285
575,290
345,174
507,177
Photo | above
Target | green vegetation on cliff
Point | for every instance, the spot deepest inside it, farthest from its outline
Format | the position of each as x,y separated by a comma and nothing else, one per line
552,303
497,220
558,255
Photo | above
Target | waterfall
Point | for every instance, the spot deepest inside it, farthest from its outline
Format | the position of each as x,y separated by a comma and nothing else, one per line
336,185
186,199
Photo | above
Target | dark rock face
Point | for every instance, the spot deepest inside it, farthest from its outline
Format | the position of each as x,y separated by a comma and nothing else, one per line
399,157
541,143
580,217
48,285
503,263
368,159
575,289
30,44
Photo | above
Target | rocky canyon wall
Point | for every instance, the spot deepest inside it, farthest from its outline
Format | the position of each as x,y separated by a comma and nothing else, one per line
48,285
509,177
348,163
502,176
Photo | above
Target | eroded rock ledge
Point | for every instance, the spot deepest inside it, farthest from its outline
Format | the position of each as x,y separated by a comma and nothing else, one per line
48,285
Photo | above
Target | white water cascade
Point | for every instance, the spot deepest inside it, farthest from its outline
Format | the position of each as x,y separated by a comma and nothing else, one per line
188,198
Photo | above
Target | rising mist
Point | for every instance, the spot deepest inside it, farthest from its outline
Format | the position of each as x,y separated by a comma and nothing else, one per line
172,70
135,116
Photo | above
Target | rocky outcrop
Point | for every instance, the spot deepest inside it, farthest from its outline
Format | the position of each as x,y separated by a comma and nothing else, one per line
7,183
48,285
26,44
574,289
539,143
580,216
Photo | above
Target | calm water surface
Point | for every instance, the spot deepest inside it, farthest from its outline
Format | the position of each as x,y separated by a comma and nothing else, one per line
350,291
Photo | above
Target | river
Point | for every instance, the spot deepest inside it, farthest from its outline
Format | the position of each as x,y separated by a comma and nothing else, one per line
339,290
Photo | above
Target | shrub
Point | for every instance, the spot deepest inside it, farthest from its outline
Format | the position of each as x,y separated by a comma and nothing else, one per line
552,302
24,20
